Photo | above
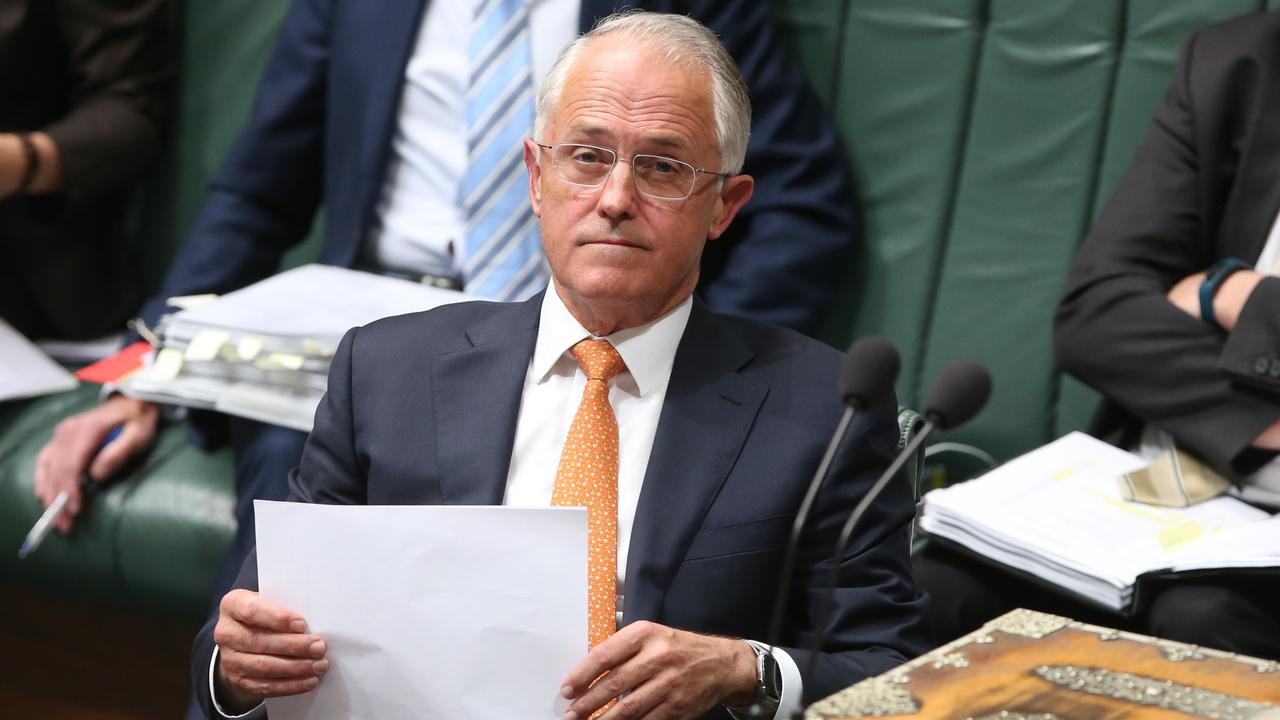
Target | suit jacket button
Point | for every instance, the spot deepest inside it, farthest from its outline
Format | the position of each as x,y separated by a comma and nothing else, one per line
1261,365
1275,369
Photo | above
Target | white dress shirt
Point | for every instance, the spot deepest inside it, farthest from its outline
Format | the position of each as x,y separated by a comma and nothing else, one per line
419,226
553,389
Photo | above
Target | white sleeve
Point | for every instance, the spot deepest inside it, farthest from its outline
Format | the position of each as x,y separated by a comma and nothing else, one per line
258,712
789,702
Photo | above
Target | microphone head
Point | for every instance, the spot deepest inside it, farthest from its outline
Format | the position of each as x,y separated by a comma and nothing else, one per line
869,371
958,394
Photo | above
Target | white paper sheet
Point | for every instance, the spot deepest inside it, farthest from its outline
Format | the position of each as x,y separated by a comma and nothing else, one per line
1057,512
25,371
320,302
465,613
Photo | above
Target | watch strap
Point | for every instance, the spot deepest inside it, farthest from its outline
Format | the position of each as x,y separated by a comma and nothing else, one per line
768,677
1213,279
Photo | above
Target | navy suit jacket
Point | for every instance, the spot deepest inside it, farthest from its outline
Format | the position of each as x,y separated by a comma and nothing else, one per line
321,130
421,409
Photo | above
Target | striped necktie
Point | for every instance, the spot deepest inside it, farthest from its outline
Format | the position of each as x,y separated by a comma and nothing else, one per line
504,258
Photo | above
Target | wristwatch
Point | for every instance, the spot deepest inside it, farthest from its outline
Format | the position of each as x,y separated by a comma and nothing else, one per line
768,680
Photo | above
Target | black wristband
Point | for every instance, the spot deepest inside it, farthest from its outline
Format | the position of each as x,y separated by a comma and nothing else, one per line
1213,279
33,163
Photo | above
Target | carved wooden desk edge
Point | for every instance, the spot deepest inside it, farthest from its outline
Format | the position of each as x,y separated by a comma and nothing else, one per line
886,694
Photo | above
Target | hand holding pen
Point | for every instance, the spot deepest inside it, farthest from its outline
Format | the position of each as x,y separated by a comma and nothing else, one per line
81,446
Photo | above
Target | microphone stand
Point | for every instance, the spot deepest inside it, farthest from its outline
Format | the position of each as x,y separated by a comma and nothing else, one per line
780,600
846,534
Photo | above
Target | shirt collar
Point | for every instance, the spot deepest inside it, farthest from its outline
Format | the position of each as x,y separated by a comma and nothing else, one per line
648,350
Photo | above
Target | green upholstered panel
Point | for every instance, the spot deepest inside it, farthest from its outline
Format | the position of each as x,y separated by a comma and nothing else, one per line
903,106
176,527
812,28
1155,32
1023,201
153,539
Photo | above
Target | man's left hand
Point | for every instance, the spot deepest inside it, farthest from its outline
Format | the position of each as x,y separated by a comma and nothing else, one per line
666,673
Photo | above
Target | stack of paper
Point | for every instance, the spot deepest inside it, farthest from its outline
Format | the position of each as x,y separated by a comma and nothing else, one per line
1057,513
25,371
263,352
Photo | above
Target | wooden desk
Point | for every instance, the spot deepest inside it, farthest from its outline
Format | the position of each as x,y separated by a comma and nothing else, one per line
1035,666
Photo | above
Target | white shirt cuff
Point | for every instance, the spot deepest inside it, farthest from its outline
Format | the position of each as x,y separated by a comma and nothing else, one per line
257,712
790,701
792,685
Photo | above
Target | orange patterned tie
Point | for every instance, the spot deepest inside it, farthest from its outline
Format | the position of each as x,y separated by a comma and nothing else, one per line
588,477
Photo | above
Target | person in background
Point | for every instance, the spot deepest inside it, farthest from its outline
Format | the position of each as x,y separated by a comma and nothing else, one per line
1172,310
86,88
383,119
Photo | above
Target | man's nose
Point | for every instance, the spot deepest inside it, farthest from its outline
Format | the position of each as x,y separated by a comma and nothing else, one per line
618,196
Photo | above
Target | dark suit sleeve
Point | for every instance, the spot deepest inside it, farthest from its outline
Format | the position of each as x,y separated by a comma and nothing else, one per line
1252,353
1116,330
120,70
265,196
787,252
877,621
331,472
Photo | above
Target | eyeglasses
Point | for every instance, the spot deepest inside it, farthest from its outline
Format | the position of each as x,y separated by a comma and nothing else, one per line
655,176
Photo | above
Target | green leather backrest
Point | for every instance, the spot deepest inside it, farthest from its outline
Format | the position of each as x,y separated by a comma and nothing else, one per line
984,135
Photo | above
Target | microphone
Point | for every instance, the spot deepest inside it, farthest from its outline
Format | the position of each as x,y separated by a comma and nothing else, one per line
957,394
866,377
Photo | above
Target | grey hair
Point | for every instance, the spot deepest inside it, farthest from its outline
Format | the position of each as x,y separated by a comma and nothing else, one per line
680,39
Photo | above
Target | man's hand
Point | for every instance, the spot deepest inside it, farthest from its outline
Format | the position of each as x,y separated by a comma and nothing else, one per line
1269,439
264,651
666,673
1227,304
74,447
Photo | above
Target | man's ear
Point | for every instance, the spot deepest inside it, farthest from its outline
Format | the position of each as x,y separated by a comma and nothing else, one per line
535,176
735,193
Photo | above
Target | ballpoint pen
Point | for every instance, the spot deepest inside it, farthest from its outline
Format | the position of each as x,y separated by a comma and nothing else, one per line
45,523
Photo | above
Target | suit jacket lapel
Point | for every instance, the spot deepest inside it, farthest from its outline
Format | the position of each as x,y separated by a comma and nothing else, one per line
476,396
709,410
1258,181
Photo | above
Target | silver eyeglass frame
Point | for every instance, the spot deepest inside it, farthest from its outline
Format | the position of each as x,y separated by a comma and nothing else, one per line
617,158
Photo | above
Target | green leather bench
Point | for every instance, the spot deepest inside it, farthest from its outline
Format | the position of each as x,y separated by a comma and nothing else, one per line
984,135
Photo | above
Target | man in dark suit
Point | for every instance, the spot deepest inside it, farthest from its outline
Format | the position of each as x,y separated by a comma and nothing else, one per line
717,422
1203,187
1172,308
333,126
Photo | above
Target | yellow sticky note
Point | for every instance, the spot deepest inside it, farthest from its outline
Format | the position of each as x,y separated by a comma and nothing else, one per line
311,347
167,365
206,344
248,348
279,361
186,302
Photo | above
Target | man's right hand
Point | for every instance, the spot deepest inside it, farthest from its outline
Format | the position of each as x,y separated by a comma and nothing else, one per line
264,651
73,449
